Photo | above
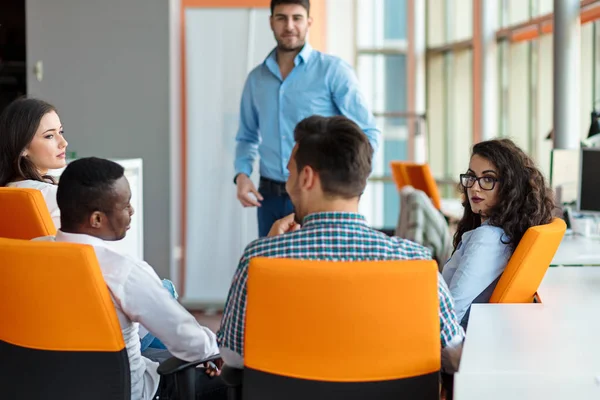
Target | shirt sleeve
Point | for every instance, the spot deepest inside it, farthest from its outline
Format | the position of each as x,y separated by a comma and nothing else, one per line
247,138
452,334
49,193
352,104
484,259
146,301
231,334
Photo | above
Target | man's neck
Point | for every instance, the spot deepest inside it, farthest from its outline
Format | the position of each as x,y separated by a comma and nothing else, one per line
78,231
285,60
334,205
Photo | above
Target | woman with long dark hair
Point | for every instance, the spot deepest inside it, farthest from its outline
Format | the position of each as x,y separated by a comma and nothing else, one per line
504,195
31,144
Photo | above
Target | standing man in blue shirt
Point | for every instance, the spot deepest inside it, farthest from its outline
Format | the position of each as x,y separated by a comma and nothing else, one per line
294,82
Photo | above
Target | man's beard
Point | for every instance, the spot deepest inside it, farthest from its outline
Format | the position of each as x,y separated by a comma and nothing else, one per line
282,47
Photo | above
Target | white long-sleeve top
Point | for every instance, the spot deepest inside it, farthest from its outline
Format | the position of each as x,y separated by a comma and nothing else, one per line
140,298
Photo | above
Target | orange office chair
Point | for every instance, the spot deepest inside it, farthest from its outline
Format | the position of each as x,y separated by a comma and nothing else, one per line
400,174
24,214
60,336
528,265
421,178
338,330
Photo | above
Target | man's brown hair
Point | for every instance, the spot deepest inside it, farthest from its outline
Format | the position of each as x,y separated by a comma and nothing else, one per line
338,150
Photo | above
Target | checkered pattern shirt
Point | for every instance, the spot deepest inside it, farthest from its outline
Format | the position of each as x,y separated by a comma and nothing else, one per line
329,236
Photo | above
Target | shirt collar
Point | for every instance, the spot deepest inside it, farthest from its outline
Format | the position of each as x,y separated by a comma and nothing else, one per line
304,56
333,217
78,238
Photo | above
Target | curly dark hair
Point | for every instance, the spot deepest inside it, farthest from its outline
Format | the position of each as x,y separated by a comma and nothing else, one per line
524,199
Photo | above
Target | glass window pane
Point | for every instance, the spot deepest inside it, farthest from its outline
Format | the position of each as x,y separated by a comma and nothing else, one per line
544,103
586,88
384,80
462,20
436,23
544,7
518,94
436,114
596,49
381,23
518,11
460,114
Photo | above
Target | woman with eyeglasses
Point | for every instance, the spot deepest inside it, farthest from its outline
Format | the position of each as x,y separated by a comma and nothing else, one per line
504,195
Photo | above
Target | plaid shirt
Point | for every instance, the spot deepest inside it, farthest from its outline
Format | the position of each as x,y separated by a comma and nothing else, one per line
330,236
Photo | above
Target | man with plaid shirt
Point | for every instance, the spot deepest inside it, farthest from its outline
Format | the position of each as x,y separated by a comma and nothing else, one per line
328,172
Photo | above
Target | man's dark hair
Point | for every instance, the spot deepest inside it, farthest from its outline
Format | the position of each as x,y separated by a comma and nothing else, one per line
86,186
303,3
338,150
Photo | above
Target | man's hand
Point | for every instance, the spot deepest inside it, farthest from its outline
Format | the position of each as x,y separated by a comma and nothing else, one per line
244,188
213,368
284,225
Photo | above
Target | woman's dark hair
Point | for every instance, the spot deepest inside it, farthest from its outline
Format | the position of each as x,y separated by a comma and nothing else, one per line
18,123
524,200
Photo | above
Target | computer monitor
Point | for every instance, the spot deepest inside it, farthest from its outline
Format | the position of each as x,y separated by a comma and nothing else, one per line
589,181
564,174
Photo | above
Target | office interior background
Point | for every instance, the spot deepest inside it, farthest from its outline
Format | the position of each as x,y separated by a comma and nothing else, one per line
161,81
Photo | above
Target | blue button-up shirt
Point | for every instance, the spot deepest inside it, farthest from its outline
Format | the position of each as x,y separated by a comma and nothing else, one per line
271,107
476,266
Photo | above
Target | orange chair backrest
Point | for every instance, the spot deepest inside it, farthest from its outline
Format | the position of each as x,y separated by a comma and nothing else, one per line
24,214
322,320
400,174
421,178
529,263
54,297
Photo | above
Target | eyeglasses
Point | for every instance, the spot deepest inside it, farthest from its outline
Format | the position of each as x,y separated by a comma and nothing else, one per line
485,182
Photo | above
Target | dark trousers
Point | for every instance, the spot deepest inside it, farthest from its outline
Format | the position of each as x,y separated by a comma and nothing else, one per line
276,204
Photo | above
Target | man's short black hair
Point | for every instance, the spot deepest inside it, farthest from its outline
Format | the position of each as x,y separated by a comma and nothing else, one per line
338,150
86,186
303,3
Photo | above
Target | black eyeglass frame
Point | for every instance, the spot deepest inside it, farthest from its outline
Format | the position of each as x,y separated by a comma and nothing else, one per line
478,180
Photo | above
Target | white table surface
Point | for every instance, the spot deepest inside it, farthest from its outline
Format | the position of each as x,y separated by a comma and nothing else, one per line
530,351
571,286
577,250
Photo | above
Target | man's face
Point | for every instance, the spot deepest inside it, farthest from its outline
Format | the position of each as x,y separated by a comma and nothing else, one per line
290,23
118,220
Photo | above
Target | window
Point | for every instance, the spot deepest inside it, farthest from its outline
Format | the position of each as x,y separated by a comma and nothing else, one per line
381,66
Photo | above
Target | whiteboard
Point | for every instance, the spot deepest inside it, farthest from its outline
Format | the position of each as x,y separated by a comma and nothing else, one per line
222,46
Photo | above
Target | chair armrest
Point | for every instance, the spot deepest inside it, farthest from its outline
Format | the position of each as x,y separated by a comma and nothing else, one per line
174,364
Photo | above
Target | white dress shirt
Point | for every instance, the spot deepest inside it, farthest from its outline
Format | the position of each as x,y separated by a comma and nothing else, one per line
48,191
140,298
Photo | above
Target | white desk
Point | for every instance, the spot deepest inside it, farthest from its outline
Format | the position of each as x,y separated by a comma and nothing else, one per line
571,286
577,250
530,351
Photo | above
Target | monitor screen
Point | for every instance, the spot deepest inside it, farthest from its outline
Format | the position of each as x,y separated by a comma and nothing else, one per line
589,185
564,176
